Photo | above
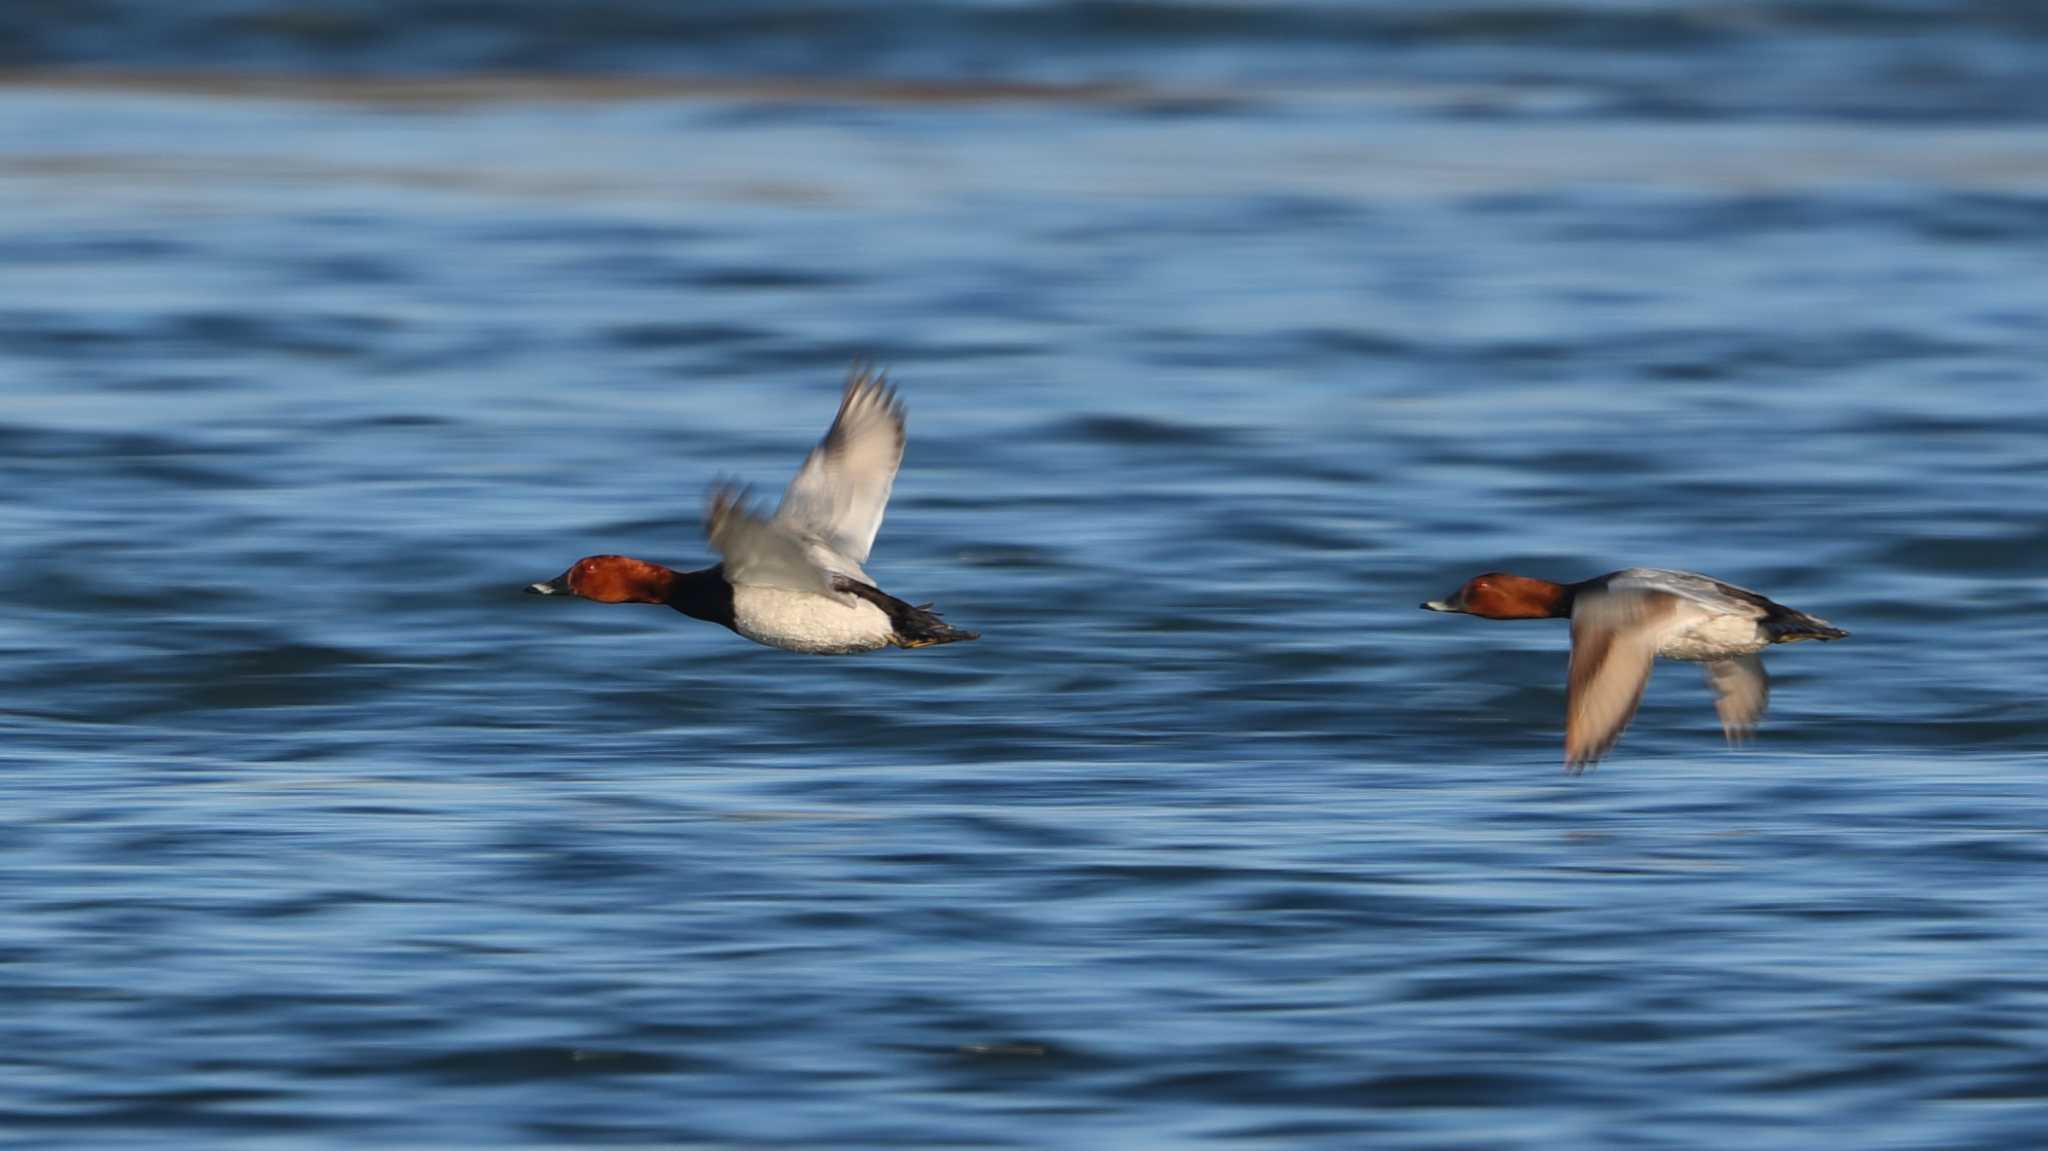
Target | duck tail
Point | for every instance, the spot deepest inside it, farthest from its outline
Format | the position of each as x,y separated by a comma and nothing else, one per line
1793,626
922,627
911,625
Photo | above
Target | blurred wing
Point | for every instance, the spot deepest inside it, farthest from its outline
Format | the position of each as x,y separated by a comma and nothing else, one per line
1742,689
838,495
757,550
1614,644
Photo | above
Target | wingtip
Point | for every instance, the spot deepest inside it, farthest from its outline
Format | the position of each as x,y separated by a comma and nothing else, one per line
864,376
724,492
862,373
725,497
864,380
1581,757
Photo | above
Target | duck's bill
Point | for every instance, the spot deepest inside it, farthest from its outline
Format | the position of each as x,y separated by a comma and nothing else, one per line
556,586
1437,605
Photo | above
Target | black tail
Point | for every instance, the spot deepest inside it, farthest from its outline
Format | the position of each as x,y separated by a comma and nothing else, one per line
1788,626
914,626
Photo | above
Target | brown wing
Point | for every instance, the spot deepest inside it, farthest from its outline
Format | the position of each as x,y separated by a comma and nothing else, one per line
1614,644
1742,689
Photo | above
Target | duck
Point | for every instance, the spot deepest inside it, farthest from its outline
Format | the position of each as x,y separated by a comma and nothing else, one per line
1624,620
792,579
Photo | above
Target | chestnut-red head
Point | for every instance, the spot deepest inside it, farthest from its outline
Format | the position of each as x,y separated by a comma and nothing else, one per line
610,579
1504,595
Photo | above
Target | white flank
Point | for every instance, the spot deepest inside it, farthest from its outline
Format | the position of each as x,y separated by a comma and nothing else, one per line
813,624
1716,637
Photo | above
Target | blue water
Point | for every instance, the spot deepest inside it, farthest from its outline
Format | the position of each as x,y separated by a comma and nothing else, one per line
320,834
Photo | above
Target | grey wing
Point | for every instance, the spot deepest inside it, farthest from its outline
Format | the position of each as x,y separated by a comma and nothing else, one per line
1614,646
838,495
1742,689
757,550
1708,592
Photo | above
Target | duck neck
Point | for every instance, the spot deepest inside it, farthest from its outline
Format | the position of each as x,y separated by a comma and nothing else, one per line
1559,597
701,594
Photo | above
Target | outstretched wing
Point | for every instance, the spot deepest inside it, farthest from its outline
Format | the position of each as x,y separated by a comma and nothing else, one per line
1614,645
1742,689
757,550
838,495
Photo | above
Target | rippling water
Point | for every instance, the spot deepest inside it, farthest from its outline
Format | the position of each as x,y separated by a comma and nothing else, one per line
321,834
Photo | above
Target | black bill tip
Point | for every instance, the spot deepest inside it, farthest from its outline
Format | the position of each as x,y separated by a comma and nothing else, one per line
556,586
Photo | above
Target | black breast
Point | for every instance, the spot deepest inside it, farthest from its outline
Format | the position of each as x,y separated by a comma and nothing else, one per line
703,595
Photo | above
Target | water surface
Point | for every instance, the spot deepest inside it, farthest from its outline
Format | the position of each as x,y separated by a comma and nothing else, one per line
321,834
